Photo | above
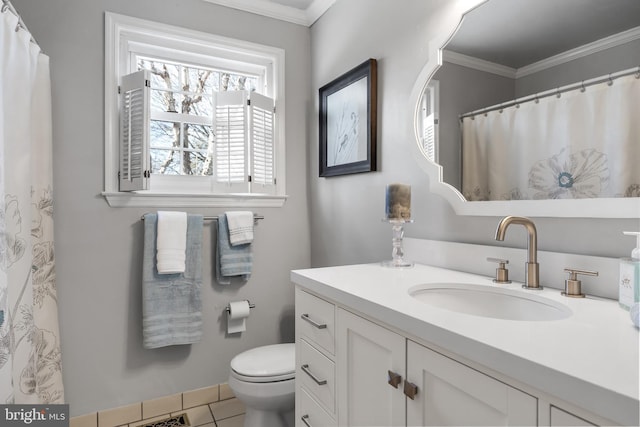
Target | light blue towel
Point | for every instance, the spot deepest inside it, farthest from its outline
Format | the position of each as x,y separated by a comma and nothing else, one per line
171,304
231,260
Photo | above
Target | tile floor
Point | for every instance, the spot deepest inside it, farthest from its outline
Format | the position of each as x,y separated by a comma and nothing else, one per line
214,406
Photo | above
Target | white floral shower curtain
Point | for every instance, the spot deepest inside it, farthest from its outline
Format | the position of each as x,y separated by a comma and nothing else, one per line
30,360
583,144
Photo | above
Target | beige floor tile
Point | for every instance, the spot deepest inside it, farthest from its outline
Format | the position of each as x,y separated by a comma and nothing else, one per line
201,396
237,421
226,392
89,420
120,416
198,416
227,408
162,405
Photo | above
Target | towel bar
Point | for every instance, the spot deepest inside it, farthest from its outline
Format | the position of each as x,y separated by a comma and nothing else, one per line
228,309
215,218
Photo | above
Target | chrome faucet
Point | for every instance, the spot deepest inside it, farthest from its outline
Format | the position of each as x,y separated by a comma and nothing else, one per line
532,280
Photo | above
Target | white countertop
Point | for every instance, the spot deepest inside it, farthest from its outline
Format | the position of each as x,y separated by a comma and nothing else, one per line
589,359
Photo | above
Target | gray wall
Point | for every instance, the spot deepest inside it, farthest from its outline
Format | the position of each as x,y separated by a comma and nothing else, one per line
98,248
346,210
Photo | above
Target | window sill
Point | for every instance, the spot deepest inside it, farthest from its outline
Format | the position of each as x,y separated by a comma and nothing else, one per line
168,200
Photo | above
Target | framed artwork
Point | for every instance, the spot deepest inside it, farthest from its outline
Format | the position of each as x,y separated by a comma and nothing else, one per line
348,118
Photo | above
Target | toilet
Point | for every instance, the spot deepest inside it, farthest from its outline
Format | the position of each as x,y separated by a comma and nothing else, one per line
263,378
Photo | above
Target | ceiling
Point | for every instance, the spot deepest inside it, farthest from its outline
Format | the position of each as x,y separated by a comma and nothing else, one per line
303,12
517,33
512,33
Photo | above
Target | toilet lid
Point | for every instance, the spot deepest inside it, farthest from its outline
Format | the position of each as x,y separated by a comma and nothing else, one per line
270,361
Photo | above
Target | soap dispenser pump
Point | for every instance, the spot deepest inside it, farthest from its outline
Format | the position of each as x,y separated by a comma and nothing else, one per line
629,286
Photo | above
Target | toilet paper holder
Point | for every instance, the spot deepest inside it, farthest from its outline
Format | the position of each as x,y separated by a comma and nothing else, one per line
228,308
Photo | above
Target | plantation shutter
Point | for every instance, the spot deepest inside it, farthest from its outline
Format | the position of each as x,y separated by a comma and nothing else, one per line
261,125
430,123
134,171
230,149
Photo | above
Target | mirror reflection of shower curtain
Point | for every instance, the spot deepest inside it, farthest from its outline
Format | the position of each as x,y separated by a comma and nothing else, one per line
30,360
583,144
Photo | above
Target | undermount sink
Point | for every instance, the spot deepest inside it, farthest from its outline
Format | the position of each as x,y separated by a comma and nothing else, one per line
485,301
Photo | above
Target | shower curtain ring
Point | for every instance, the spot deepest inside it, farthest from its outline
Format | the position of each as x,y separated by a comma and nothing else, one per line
582,88
610,81
558,94
638,73
537,99
5,6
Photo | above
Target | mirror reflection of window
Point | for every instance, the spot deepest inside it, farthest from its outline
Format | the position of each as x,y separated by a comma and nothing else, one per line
429,120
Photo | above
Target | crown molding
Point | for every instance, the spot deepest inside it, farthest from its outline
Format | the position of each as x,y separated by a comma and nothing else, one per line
478,64
581,51
278,11
562,58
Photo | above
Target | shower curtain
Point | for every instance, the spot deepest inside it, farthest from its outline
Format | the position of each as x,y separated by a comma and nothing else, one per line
583,144
30,360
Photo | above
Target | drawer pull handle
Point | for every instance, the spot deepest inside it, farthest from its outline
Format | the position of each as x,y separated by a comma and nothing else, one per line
394,379
305,420
410,390
305,369
313,322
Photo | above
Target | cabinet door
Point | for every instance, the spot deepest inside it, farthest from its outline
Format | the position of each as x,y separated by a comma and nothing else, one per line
450,393
365,354
560,417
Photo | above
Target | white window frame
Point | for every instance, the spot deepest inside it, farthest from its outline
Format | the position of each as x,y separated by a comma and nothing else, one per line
122,33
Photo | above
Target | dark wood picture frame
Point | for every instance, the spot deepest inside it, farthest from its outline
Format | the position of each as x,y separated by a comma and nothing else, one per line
348,122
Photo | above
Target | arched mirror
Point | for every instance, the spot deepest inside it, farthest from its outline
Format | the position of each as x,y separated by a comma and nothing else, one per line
532,109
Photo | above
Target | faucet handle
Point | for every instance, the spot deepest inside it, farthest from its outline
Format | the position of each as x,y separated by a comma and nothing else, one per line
502,274
573,286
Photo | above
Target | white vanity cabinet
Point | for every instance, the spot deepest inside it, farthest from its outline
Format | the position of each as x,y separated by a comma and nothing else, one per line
431,389
315,365
452,394
360,333
368,358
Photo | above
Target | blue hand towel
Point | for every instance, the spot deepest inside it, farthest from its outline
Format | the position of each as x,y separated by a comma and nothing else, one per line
171,304
231,260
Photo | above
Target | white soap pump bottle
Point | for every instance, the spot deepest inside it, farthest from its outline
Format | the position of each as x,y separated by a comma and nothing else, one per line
629,286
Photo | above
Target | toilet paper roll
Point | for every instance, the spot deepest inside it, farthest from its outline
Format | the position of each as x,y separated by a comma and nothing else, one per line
237,316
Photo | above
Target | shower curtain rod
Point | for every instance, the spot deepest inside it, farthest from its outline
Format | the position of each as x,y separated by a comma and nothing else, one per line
6,5
557,92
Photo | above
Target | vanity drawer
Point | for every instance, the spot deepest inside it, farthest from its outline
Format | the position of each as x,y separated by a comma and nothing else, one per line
316,373
311,414
315,320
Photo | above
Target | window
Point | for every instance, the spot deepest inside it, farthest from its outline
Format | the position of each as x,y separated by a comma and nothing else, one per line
191,119
429,120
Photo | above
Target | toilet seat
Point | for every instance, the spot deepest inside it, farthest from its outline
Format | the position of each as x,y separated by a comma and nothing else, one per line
269,363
